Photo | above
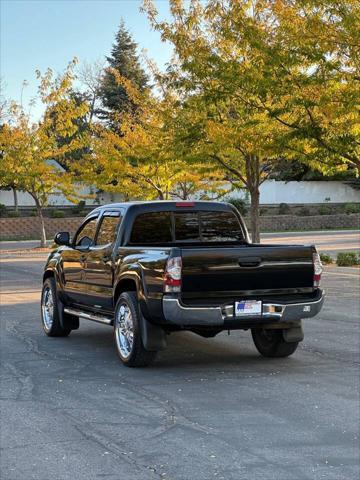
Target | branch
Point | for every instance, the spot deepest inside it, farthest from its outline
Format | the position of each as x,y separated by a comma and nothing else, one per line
231,169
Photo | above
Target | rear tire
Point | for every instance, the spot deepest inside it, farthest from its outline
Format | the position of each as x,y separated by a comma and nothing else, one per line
127,333
50,317
271,343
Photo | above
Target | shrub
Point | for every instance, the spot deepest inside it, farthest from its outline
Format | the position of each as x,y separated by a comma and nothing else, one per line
57,214
32,213
324,210
13,214
352,208
304,212
240,204
2,210
79,208
284,209
347,259
325,258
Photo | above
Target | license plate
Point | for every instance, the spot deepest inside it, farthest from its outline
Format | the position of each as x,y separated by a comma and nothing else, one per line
248,307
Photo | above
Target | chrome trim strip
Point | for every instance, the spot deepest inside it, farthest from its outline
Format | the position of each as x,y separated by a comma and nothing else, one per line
89,316
176,313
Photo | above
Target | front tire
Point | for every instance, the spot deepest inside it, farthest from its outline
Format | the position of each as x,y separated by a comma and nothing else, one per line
127,333
271,343
50,317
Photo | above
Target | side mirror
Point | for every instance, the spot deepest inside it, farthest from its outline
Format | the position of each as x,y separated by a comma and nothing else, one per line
62,238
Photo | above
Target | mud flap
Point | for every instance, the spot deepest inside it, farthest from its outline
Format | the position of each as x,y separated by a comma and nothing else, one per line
295,334
66,320
153,336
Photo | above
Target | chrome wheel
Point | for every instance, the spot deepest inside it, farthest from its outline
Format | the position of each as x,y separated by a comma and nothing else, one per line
124,331
47,308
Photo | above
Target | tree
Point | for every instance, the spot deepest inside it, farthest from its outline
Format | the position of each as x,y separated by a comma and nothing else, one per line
315,85
125,61
90,76
252,77
30,150
4,104
138,158
218,122
232,138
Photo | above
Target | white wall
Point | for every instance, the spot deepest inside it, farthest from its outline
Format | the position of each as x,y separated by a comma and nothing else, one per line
275,192
25,200
271,192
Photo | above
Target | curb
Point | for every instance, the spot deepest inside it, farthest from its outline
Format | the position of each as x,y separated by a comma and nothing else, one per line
29,252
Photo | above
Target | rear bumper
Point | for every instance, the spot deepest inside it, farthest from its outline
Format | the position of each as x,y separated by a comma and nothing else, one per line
177,314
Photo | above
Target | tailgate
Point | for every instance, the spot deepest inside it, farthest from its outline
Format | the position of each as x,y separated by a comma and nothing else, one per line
249,269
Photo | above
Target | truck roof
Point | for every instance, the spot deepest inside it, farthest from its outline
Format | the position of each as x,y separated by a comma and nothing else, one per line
158,205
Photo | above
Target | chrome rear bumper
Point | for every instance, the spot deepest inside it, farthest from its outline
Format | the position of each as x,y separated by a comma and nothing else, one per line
178,314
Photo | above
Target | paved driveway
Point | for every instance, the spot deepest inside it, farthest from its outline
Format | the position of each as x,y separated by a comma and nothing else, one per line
207,409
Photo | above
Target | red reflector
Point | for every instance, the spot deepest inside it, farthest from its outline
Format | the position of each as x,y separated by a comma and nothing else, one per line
185,204
172,281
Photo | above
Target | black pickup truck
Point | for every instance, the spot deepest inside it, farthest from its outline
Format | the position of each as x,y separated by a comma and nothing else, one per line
152,268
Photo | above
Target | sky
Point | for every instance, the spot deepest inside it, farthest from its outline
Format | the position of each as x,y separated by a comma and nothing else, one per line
37,34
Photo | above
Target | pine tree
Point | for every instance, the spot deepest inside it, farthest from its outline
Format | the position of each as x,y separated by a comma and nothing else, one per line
125,60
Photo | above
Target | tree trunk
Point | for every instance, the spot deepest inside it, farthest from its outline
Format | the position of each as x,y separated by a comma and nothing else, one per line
16,203
255,215
42,223
253,183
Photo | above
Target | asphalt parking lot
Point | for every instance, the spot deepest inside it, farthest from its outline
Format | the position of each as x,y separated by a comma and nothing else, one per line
207,409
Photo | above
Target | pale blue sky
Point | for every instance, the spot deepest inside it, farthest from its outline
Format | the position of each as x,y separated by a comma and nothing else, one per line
36,34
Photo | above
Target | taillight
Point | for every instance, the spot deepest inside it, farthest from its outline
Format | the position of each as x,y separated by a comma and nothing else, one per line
318,268
172,276
185,204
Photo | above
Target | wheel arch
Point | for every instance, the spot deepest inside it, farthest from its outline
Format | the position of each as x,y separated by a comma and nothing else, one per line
125,284
48,274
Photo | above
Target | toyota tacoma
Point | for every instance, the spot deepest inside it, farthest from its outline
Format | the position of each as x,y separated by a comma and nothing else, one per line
151,268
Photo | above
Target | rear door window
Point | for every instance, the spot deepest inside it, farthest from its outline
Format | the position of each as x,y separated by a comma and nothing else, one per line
152,228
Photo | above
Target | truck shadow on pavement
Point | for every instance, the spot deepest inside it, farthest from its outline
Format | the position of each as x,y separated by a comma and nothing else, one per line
93,345
185,349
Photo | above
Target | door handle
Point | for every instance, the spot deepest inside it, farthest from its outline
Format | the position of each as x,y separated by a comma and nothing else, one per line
250,262
106,258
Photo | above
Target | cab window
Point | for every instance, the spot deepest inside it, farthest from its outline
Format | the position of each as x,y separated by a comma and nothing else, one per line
86,234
